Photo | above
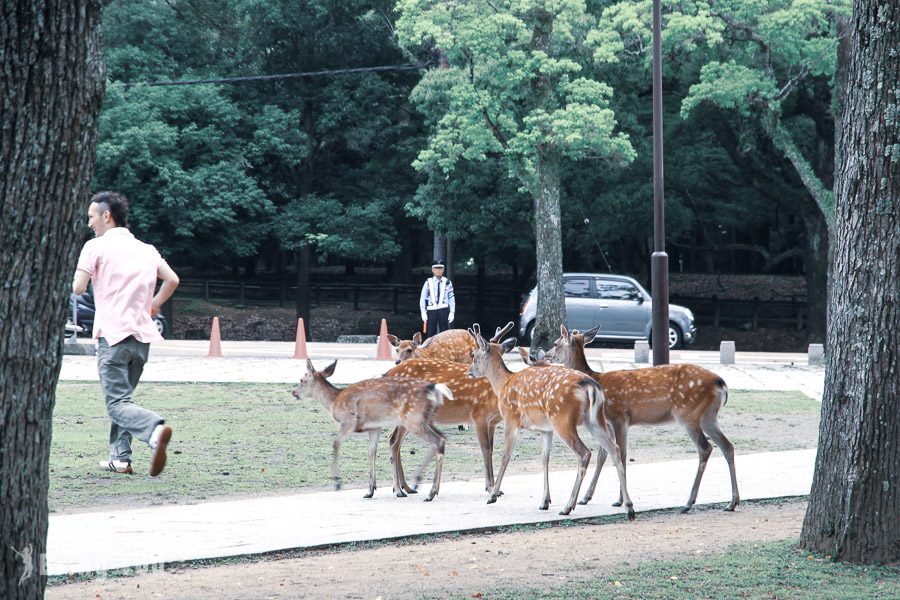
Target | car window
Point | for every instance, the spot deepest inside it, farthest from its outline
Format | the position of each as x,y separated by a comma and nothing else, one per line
615,290
577,288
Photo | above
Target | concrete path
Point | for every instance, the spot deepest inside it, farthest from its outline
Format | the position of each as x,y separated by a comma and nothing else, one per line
95,542
145,538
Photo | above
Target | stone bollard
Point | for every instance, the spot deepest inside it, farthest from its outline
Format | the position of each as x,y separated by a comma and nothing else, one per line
726,353
642,351
816,354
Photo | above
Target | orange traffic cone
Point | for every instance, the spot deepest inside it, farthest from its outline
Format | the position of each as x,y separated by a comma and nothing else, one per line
384,347
215,340
300,344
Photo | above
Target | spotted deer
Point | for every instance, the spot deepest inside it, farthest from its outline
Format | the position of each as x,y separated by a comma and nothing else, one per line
370,405
454,345
687,394
474,402
547,399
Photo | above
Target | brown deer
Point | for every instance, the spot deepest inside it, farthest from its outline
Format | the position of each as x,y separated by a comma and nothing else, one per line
688,394
455,345
474,402
373,404
547,399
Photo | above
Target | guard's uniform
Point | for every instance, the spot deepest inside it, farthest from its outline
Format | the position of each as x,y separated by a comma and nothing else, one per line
437,305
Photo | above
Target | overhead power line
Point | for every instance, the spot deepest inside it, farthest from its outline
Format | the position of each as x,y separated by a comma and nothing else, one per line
297,75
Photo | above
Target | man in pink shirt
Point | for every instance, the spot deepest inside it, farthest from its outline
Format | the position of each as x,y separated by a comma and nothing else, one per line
124,271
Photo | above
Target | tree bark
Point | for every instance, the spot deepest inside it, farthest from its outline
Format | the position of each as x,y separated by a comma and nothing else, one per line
551,304
303,289
854,503
51,87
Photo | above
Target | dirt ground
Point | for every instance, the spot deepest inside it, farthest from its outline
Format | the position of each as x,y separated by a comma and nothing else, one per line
467,565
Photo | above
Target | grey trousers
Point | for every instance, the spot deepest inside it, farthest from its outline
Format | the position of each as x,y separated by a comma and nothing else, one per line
120,368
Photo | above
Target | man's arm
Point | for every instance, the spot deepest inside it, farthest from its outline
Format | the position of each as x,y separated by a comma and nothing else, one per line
80,282
422,301
169,283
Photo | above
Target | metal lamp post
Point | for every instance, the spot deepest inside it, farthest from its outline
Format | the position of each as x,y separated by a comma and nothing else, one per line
659,261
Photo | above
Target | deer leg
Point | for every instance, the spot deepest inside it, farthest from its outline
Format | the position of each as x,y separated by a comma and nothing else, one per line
421,471
609,444
601,459
509,443
546,444
621,430
704,449
342,434
570,436
396,440
711,428
485,433
373,448
435,439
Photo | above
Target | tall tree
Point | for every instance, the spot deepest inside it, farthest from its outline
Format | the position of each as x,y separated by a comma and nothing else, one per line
51,88
516,90
855,499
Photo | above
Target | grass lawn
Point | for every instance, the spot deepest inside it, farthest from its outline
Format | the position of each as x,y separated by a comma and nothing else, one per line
253,439
776,570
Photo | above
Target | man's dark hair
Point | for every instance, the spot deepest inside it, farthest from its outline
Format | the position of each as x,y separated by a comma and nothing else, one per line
116,204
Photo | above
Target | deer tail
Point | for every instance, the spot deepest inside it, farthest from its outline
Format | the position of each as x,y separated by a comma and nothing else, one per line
442,391
723,391
595,398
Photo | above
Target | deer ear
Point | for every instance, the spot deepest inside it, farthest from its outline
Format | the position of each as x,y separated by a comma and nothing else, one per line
523,352
417,338
393,340
507,345
590,334
309,366
329,370
563,331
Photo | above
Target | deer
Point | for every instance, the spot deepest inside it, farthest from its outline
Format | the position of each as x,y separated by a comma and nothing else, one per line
687,394
454,345
370,405
549,399
474,403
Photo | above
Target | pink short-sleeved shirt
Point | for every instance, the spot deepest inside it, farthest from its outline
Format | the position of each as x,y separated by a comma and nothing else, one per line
124,273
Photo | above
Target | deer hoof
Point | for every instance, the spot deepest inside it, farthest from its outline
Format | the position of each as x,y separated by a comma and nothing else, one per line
543,507
584,501
370,494
492,499
617,503
685,510
400,493
630,514
337,485
565,511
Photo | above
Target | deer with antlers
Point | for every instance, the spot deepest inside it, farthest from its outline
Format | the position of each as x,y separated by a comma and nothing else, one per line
547,399
370,405
474,403
687,394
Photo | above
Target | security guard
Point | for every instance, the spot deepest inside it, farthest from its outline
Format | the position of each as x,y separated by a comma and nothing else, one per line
436,302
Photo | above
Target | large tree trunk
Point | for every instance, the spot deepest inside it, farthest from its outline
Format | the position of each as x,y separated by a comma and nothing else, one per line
855,499
51,88
551,304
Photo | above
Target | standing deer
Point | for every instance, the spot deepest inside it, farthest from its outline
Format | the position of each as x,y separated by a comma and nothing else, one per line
474,402
547,399
688,394
373,404
455,345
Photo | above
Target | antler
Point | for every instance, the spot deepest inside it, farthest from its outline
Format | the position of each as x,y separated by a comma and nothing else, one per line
498,335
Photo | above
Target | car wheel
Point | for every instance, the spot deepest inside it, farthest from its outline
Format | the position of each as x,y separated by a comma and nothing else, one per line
161,326
676,339
529,333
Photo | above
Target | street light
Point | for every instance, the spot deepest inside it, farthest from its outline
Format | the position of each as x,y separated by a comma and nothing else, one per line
659,261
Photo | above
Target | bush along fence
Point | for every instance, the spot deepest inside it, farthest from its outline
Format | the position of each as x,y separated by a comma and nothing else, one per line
395,297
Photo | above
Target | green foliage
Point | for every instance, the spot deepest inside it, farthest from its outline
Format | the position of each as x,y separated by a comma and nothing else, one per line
504,97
